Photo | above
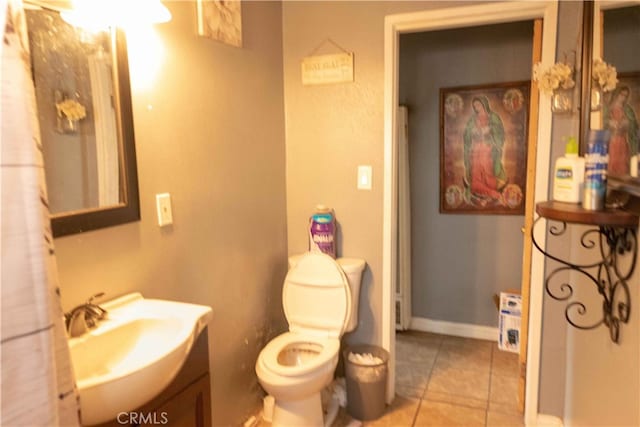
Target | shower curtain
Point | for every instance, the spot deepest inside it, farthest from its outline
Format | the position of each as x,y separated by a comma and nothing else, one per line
100,75
37,382
403,288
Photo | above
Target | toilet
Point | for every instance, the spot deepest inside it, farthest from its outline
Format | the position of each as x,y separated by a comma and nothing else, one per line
320,300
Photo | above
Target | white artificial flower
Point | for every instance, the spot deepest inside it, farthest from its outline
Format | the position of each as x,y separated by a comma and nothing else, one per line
559,75
71,109
604,75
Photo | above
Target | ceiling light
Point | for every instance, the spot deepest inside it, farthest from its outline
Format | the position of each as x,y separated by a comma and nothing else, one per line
101,14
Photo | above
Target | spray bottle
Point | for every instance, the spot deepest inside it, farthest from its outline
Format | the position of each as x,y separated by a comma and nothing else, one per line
596,161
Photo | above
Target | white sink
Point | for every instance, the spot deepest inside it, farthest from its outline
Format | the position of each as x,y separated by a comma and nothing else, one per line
133,354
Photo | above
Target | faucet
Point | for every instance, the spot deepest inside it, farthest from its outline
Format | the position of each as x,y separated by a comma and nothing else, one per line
83,317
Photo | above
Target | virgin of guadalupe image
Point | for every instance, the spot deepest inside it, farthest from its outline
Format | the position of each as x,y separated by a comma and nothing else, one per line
622,123
483,138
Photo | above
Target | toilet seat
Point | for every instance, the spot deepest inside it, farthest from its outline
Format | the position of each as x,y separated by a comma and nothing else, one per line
316,297
317,303
272,357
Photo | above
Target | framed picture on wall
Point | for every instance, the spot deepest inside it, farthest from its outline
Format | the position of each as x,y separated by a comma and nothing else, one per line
220,20
621,116
483,148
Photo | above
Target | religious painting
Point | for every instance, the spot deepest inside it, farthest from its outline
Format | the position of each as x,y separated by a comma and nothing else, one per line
220,20
621,117
483,148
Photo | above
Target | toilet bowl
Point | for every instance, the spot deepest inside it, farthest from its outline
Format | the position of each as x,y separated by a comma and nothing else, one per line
295,366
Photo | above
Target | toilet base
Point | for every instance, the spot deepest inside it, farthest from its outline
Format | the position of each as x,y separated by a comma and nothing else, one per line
305,412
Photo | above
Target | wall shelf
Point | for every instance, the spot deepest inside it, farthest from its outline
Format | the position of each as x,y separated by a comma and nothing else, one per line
613,238
625,190
625,183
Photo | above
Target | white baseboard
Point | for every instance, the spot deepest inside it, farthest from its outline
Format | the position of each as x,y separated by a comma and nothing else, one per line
544,420
455,329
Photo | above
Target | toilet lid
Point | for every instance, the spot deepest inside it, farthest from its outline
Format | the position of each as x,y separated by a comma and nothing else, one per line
316,296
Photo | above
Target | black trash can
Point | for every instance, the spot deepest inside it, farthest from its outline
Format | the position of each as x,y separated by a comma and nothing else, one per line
366,382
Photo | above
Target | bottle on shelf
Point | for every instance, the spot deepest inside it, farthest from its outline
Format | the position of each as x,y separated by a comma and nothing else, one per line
568,175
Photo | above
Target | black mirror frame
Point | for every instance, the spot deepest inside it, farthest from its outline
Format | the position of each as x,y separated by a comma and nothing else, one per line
129,211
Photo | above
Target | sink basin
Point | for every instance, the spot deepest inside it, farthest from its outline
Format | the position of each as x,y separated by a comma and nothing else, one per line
133,354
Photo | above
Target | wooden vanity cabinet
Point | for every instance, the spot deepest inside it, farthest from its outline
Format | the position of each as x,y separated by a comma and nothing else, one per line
190,407
186,402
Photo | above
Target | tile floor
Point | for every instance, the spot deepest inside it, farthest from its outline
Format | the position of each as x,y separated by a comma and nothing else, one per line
445,381
450,381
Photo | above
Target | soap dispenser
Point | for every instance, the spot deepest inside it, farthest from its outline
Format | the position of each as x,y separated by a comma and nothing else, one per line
568,175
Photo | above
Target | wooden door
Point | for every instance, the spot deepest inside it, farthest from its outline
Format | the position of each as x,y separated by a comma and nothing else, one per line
528,218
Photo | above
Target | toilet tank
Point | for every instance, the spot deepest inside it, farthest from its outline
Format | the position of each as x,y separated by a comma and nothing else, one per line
353,268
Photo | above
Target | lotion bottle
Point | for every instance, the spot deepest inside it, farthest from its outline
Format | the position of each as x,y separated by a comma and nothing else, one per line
568,175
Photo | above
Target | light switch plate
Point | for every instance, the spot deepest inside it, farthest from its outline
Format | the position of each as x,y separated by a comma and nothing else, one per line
364,177
163,206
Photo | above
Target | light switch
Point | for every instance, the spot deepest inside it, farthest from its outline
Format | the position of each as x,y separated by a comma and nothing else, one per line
364,177
163,206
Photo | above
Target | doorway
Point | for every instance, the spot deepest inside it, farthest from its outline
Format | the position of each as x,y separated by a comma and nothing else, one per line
457,17
469,251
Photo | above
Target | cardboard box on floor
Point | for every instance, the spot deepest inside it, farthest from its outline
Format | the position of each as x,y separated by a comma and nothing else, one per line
510,311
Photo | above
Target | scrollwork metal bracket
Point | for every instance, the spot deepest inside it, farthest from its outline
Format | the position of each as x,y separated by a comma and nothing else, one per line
607,273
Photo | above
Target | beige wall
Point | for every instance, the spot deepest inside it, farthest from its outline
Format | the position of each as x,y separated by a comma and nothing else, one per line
554,326
214,139
601,384
603,378
331,129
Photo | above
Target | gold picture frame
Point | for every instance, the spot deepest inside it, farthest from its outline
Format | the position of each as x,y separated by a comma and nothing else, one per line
483,148
220,20
621,117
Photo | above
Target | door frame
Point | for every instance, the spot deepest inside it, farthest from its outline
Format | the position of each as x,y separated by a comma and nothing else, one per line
446,18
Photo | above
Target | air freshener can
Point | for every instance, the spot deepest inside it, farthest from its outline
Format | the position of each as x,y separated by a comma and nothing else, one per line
322,231
595,176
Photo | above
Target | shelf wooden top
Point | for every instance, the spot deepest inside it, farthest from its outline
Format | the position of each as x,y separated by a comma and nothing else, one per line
625,183
575,213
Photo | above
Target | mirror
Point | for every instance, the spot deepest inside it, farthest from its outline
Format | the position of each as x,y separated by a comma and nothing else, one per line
620,29
83,100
